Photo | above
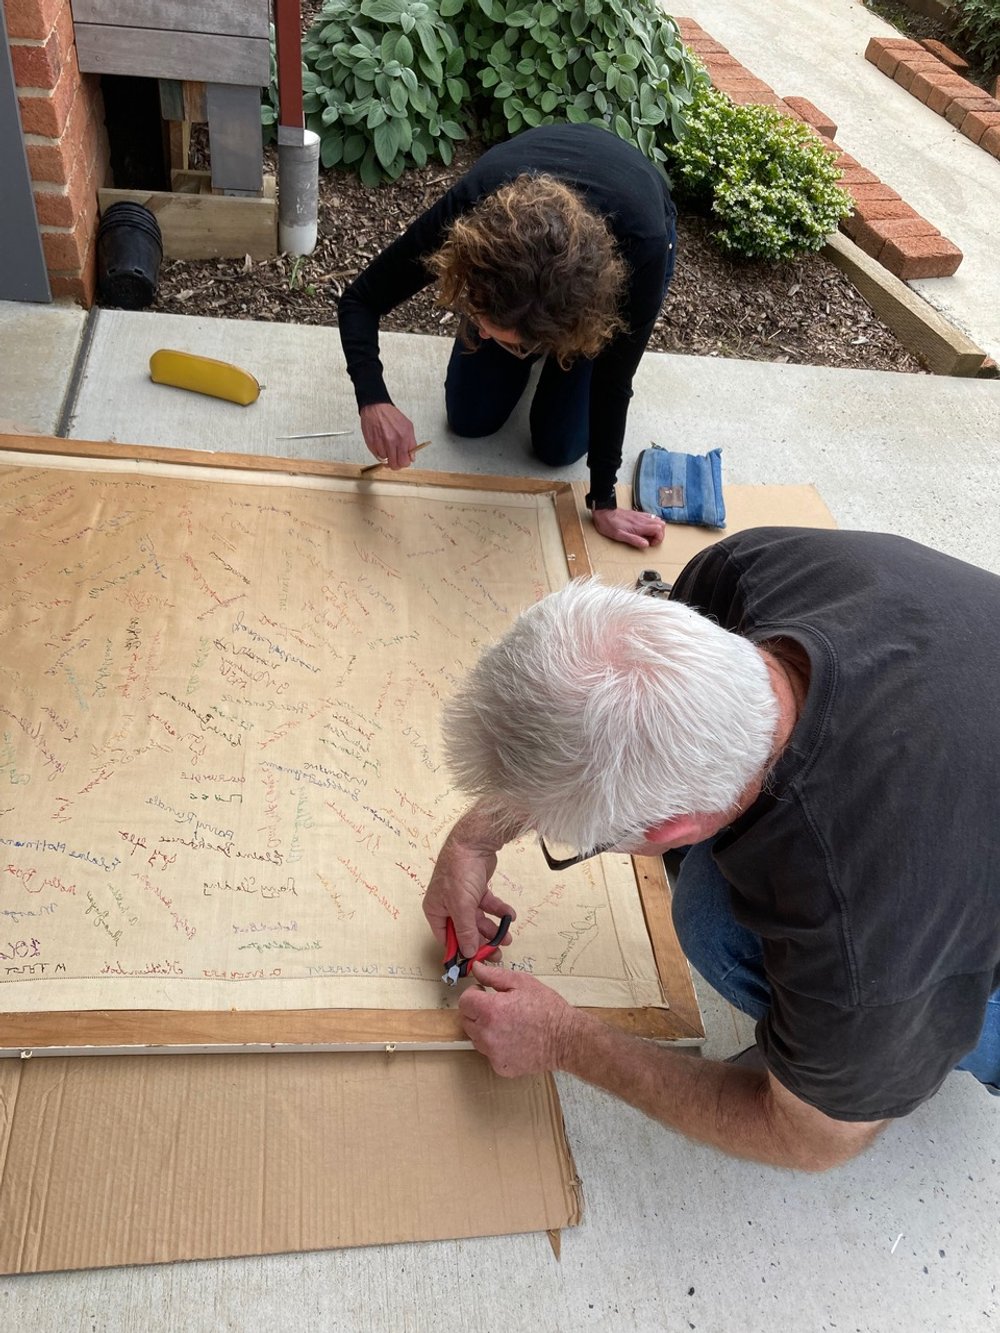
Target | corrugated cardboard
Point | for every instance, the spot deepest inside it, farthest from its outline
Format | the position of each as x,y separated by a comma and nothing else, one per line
145,1159
746,507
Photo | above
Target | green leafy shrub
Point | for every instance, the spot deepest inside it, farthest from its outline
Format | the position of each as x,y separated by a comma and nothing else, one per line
976,31
767,180
391,82
541,61
269,99
383,86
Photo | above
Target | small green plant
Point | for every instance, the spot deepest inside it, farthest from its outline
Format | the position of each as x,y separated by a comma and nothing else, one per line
976,32
620,64
269,99
768,182
384,87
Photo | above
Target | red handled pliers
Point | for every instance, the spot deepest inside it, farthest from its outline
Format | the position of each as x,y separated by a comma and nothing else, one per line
455,964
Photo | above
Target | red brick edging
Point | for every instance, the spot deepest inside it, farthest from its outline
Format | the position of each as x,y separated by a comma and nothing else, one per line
62,119
882,224
932,74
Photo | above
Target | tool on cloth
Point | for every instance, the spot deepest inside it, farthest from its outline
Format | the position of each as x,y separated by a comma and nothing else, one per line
456,965
314,435
370,467
649,581
202,374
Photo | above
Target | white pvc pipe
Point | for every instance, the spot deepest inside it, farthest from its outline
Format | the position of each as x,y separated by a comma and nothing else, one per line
298,190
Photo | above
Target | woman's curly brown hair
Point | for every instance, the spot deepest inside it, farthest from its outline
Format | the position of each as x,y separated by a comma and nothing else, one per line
532,257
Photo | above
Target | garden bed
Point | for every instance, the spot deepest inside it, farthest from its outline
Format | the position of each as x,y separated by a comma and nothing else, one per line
804,312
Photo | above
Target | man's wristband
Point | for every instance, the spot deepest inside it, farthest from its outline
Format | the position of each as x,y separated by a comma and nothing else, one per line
601,502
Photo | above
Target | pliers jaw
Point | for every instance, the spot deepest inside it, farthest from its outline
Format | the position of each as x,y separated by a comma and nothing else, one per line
456,965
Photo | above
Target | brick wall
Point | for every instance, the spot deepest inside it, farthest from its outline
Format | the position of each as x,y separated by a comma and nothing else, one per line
62,117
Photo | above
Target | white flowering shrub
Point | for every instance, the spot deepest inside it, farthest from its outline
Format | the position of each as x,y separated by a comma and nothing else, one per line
767,181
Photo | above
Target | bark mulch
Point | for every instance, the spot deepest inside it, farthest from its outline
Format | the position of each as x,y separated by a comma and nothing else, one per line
804,312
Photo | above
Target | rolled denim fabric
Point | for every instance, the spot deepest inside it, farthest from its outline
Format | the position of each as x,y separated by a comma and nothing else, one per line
680,488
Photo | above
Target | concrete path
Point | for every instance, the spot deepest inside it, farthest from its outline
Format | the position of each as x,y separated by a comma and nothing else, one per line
674,1236
816,50
914,454
38,346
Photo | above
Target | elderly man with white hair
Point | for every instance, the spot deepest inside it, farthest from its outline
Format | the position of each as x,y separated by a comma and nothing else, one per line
812,721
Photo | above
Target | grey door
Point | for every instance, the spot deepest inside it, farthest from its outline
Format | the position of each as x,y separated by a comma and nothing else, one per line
22,262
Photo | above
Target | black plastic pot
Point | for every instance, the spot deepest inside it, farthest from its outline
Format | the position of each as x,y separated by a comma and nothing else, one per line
129,252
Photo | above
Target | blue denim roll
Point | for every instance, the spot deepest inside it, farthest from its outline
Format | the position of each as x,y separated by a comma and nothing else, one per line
680,488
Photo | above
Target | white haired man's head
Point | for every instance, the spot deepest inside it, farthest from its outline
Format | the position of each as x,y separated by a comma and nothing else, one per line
603,712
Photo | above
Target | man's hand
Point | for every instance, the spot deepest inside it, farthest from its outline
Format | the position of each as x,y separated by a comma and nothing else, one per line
629,526
460,884
388,434
520,1025
523,1027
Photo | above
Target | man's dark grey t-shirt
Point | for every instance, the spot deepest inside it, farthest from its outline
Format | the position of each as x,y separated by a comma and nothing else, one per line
870,864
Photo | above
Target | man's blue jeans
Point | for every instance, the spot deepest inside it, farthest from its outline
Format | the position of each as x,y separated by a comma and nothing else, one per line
731,958
484,385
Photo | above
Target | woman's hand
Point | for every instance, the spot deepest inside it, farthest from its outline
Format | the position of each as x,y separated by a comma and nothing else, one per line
630,526
388,434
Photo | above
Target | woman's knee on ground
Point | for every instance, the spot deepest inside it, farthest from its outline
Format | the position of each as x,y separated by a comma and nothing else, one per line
558,450
473,424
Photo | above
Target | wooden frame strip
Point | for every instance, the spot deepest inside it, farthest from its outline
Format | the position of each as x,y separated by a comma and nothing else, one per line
94,1031
673,968
208,226
302,467
161,54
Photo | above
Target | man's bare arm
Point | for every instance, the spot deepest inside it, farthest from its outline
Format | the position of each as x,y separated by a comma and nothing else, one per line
523,1027
745,1112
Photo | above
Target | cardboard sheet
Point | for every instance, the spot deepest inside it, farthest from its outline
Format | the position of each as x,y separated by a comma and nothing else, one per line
221,777
147,1159
746,507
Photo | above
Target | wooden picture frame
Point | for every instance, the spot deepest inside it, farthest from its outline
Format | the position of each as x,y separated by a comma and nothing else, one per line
156,1031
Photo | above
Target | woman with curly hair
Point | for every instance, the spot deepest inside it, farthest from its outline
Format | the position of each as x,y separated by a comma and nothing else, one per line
558,244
